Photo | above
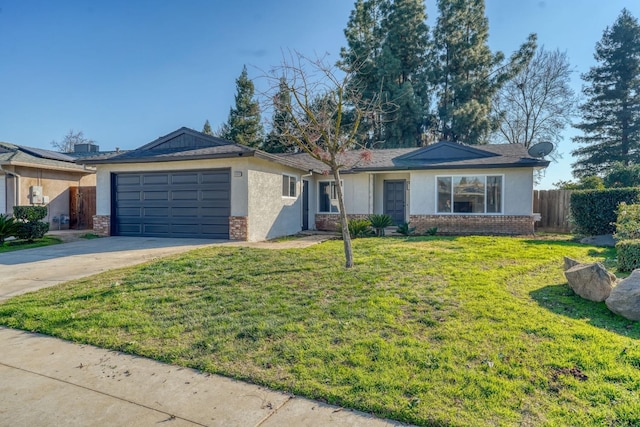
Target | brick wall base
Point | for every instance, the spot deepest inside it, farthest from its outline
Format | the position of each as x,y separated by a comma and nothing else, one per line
474,224
329,222
102,225
239,228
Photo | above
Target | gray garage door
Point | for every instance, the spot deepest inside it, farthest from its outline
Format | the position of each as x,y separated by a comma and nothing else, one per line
172,204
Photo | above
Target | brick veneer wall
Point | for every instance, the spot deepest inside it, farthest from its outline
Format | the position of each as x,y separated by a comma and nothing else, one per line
102,225
239,228
474,224
329,222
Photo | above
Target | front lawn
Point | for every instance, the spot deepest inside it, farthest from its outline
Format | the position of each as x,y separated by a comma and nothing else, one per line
434,331
17,245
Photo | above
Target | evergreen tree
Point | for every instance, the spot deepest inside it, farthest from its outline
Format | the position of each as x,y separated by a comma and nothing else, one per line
206,129
244,126
276,141
611,114
466,73
387,44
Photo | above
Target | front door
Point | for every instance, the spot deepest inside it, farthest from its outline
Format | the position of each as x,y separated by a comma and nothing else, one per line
394,200
305,205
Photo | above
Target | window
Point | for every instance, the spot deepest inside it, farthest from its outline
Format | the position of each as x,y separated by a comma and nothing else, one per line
469,194
288,186
327,197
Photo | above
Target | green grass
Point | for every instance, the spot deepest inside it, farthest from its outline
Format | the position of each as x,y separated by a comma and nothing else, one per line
434,331
16,245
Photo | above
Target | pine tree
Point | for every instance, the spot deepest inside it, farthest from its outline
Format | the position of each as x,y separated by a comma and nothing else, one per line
276,141
206,129
466,73
611,114
244,126
387,44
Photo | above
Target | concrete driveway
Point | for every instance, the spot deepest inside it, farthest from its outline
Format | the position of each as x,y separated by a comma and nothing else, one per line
32,269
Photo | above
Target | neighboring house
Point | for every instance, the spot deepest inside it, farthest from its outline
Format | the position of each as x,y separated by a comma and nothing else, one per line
33,176
190,184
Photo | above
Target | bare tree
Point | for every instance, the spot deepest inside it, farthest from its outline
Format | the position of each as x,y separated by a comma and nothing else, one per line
538,103
70,140
326,109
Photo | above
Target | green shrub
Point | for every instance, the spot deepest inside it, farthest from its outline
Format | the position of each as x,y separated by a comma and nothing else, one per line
358,228
594,211
628,254
31,231
28,218
379,222
405,229
29,213
431,231
628,222
8,227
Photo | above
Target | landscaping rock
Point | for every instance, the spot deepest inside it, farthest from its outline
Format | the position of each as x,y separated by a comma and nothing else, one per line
624,299
570,262
591,281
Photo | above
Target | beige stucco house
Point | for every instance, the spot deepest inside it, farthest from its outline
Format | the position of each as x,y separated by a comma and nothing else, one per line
190,184
33,176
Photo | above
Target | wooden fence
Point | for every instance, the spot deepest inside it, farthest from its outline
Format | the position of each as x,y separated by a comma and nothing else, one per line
82,201
553,206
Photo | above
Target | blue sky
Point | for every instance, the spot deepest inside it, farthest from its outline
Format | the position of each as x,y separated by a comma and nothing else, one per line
126,72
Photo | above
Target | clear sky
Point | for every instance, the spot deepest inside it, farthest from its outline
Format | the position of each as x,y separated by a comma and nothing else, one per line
128,71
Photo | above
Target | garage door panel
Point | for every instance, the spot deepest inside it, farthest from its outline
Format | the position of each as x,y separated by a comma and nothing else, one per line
172,204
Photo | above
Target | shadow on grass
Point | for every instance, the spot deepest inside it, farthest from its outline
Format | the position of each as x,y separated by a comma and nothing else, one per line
560,299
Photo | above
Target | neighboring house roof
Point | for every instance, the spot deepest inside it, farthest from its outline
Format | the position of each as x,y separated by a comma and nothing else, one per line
19,155
188,144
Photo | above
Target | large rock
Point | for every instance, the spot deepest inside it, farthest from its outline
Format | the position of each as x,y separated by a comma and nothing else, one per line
625,298
591,281
570,262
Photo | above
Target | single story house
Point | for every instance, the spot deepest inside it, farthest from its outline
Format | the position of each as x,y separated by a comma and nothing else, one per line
189,184
33,176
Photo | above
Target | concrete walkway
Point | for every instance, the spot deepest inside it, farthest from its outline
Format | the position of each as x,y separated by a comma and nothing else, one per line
46,381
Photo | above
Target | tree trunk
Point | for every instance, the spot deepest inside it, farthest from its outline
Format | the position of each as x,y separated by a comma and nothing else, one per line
346,237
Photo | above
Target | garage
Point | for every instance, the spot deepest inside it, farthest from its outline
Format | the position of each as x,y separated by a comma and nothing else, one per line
192,203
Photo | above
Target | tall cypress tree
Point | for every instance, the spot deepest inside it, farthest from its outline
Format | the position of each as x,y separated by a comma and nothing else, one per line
244,126
206,129
277,140
387,44
611,114
466,72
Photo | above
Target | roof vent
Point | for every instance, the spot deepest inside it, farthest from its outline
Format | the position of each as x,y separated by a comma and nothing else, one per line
85,148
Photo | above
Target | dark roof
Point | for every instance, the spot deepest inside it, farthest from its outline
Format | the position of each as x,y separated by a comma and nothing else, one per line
12,154
189,144
442,155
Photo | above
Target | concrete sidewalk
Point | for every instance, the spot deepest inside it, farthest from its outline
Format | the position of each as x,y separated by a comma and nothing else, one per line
47,381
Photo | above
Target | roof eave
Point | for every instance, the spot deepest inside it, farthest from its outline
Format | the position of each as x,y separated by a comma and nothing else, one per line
168,158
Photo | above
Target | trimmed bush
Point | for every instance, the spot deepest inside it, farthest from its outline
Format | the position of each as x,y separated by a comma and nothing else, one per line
594,211
628,254
29,225
628,222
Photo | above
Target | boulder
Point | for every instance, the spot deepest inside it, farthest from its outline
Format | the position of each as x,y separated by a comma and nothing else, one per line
570,262
625,297
590,281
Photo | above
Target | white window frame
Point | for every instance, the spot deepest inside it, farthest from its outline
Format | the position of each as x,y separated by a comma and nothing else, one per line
484,175
333,195
288,178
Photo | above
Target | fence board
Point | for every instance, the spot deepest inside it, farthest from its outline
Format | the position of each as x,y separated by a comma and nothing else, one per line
554,207
82,207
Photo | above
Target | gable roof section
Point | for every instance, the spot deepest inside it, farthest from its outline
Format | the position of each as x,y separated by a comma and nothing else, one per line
19,155
445,151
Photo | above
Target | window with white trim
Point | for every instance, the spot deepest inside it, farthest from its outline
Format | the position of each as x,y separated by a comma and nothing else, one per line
327,197
469,194
288,186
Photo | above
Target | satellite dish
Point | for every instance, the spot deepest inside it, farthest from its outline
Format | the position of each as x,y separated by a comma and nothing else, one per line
540,149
